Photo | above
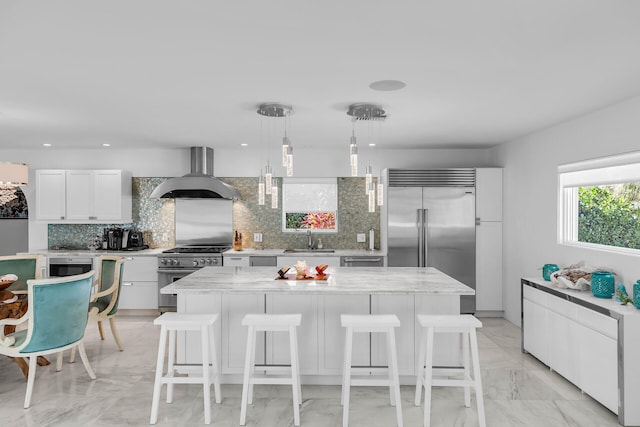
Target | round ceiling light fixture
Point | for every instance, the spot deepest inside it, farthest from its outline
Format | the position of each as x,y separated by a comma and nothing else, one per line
387,85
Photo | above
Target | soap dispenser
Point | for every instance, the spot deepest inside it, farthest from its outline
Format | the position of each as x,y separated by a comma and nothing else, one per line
371,238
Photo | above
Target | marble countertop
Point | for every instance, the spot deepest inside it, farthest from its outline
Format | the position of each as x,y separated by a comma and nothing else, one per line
311,253
341,280
70,253
608,303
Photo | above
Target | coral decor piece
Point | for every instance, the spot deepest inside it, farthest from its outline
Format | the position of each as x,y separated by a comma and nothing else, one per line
302,269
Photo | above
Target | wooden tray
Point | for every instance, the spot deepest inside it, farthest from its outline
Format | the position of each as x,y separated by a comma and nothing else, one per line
293,277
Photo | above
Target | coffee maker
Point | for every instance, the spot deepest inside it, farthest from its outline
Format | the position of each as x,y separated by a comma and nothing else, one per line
113,239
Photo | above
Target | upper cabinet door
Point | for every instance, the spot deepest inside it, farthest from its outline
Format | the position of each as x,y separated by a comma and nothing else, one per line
80,195
107,195
83,196
489,194
50,195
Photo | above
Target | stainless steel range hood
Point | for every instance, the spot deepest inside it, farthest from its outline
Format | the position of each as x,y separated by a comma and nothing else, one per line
200,183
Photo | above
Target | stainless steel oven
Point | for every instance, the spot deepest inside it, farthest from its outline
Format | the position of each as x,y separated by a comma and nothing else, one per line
69,266
179,262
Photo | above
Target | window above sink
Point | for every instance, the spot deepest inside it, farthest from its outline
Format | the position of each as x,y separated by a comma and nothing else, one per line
309,204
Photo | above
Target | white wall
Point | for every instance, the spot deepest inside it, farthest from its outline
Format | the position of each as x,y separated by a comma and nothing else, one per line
530,195
161,162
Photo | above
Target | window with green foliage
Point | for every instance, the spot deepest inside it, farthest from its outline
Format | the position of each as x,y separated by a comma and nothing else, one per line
608,215
599,203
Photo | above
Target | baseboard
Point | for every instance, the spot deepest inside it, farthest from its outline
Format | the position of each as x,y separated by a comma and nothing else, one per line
490,313
138,312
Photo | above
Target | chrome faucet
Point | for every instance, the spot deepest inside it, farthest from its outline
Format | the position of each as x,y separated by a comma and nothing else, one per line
309,240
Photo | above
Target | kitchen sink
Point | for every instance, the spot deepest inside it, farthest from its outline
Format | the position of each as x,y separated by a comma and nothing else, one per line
295,251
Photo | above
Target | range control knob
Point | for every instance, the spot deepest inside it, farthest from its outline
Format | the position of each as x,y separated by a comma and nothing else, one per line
201,261
163,261
195,262
215,261
209,261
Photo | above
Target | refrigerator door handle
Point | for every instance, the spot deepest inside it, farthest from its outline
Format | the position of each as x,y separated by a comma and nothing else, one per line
425,237
421,246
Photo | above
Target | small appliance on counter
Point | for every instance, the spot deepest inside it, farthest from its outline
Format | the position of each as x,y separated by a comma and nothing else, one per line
118,239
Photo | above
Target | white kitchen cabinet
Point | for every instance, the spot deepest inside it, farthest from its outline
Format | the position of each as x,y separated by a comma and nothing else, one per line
277,343
331,334
489,194
234,335
83,196
598,366
489,266
489,288
235,261
534,314
139,288
51,194
402,306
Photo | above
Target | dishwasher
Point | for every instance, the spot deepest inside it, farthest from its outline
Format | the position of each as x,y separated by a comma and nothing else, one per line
361,261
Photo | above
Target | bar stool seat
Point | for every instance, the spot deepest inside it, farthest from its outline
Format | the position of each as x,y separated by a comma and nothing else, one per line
465,325
271,323
170,323
368,323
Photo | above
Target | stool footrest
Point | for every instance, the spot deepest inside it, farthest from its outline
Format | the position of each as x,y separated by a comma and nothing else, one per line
453,383
271,380
184,380
371,381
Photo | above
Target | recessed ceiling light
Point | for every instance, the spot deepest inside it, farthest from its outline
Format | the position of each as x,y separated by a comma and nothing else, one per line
244,144
106,145
372,144
46,144
387,85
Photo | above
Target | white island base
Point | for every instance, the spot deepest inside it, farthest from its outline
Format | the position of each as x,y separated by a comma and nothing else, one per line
320,336
235,291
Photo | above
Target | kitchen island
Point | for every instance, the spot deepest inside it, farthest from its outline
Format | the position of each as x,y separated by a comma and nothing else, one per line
236,291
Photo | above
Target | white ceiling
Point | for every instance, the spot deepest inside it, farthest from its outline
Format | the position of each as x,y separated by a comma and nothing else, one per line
159,73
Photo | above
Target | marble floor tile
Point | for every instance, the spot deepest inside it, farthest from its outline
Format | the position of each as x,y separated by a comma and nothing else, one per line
518,391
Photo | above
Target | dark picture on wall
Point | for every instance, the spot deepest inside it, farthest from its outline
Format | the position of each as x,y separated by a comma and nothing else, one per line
15,208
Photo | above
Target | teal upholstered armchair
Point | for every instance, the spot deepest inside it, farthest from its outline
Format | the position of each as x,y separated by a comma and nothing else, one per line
25,267
56,321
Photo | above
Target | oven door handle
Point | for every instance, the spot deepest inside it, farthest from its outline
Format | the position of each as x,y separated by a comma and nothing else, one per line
178,271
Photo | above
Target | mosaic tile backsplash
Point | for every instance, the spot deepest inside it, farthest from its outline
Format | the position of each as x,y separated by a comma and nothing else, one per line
155,218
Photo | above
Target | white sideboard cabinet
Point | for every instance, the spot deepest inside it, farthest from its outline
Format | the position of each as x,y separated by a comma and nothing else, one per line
592,342
83,196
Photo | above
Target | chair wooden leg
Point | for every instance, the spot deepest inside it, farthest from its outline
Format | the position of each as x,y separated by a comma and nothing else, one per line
33,363
72,358
85,360
60,356
114,331
100,330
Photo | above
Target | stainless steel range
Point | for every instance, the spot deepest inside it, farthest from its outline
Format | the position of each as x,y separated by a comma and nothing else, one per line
203,232
176,263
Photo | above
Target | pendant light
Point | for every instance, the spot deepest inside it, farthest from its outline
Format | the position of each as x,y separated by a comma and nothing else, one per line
369,113
270,182
353,152
261,189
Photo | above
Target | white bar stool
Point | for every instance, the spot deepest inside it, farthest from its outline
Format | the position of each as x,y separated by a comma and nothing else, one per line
172,322
465,325
367,323
271,323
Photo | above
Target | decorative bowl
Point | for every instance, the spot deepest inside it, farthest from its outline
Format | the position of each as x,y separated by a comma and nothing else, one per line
7,280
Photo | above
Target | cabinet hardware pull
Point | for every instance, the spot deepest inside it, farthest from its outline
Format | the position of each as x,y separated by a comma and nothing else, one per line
127,284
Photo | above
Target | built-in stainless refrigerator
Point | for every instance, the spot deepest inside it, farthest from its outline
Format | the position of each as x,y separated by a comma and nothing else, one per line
434,225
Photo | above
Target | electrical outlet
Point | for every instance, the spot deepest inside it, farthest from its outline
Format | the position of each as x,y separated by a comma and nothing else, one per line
257,237
361,238
165,237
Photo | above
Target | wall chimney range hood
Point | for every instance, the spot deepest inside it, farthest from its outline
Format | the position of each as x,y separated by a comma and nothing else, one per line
199,184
